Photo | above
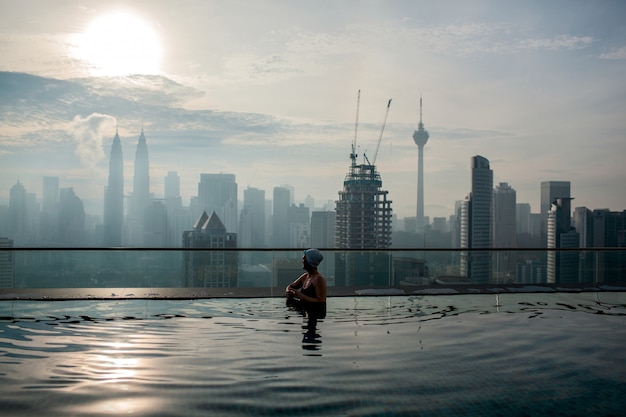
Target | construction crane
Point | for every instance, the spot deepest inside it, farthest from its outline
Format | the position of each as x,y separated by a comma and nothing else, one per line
353,155
381,133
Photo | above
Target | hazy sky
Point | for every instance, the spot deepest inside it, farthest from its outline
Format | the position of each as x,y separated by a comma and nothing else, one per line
267,90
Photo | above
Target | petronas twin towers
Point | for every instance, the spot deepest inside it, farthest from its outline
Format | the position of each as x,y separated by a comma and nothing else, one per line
114,195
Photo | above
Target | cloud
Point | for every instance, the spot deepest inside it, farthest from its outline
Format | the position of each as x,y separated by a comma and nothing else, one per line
619,53
557,42
88,134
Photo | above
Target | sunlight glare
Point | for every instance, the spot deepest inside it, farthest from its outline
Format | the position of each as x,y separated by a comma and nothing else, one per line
120,43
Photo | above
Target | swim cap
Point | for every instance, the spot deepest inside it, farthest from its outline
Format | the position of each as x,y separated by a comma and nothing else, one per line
313,257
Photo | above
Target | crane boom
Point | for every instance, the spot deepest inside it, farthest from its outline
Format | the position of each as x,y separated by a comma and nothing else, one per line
353,155
381,132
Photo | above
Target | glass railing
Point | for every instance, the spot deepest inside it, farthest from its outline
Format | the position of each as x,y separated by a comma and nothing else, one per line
106,272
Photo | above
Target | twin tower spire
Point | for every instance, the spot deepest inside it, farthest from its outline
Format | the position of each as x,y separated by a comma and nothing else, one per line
114,191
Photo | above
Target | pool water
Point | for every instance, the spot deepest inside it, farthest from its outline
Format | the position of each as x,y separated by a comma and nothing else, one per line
560,354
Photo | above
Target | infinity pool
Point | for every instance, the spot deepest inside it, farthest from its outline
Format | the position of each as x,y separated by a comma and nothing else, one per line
560,354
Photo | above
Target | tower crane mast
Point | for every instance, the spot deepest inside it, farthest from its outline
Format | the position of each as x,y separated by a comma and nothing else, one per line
381,132
353,155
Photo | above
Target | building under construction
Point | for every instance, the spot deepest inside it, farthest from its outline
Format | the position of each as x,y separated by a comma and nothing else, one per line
363,221
363,213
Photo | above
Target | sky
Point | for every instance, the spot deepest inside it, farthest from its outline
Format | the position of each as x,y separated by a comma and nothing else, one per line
267,90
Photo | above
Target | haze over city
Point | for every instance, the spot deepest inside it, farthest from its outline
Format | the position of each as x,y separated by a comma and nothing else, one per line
267,91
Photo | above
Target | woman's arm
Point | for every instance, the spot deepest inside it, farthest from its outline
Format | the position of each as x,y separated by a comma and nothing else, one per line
320,292
296,284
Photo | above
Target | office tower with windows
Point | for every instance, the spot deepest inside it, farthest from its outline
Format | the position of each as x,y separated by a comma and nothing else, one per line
114,197
323,229
155,225
562,266
363,221
299,221
18,214
178,217
601,228
140,198
218,193
252,220
420,136
49,220
323,236
476,223
280,210
504,232
7,264
71,218
210,268
550,191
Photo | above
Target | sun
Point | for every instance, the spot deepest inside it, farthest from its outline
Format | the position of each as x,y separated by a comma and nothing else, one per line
120,43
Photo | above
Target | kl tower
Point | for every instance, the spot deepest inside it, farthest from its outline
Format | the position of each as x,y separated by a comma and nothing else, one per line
420,136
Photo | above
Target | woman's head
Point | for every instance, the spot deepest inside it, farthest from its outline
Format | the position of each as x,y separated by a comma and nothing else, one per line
313,257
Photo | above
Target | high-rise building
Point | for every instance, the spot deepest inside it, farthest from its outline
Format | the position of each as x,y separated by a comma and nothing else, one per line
363,221
601,228
71,218
476,223
420,136
504,232
140,197
171,185
280,210
18,214
49,210
218,193
155,225
7,264
252,221
299,222
522,218
363,213
209,268
550,191
504,216
323,229
562,266
323,236
114,197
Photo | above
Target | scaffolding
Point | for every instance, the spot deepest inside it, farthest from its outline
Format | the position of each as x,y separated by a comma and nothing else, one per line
363,213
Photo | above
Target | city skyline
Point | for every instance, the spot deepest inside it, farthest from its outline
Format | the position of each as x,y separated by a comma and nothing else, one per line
263,91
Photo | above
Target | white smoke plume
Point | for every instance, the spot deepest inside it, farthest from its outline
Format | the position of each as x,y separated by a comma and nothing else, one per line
88,133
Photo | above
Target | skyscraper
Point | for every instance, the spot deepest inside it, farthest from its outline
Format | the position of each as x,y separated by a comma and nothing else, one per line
420,136
562,267
178,218
504,230
140,197
172,185
504,216
18,214
252,222
476,222
550,191
71,218
323,229
209,268
49,210
363,221
114,196
7,264
218,193
280,209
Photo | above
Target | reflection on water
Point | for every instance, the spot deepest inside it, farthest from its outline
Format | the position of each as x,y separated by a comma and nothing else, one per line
514,355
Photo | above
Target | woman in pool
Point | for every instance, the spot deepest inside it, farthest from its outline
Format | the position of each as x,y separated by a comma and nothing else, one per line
307,294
